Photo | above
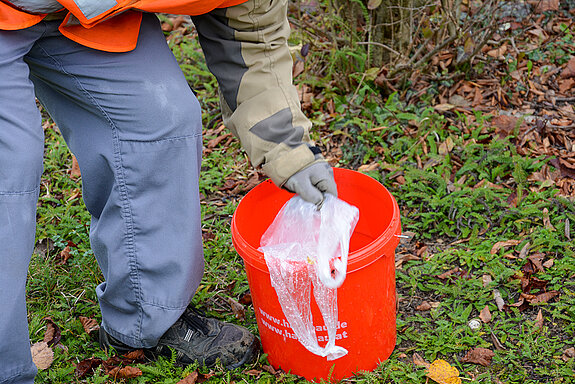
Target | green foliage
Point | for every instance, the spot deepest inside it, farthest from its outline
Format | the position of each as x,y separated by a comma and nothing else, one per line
475,194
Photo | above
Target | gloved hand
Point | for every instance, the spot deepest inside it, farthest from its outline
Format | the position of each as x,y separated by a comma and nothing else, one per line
312,182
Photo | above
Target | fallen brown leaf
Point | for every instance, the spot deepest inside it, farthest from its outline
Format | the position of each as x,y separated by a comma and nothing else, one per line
424,306
447,146
498,300
207,234
569,70
563,168
125,372
529,283
544,5
237,309
190,379
42,355
368,167
173,23
498,52
485,315
566,85
486,279
246,299
544,297
504,125
253,372
547,220
568,354
419,361
549,263
298,68
53,334
537,260
481,356
501,244
527,296
115,363
422,251
133,356
447,274
538,321
111,363
86,367
443,107
64,256
228,185
488,184
75,171
524,250
269,369
89,325
427,305
402,258
521,304
251,183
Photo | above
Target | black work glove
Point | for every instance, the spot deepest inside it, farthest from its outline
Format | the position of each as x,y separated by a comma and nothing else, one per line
313,182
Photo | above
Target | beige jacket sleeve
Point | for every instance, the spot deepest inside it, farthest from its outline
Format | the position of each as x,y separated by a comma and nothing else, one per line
246,49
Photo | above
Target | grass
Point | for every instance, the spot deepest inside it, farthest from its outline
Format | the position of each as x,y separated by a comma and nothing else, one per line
461,190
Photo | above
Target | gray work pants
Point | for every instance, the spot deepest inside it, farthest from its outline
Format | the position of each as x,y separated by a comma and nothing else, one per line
135,127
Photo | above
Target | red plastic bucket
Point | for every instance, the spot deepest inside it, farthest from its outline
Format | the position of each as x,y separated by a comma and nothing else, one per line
366,299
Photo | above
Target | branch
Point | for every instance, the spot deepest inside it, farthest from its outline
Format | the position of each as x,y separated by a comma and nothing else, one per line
379,45
436,50
565,98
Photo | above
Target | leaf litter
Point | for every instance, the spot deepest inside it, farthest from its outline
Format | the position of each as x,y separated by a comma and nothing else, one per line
479,355
118,367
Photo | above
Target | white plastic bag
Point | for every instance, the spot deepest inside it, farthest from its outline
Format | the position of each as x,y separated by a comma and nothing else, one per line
306,247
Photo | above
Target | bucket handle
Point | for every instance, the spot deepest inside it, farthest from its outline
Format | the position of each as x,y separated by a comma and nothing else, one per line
337,224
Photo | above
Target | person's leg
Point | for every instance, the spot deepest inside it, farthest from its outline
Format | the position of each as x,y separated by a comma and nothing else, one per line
135,127
21,150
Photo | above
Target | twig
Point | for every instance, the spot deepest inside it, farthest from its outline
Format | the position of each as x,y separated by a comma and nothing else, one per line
489,30
316,32
560,126
565,98
436,50
418,52
410,65
509,39
379,45
358,87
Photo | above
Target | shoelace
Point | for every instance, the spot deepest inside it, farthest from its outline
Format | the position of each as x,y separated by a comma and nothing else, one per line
195,319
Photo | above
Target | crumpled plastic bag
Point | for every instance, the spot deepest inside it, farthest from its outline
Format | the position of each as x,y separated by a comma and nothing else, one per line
306,247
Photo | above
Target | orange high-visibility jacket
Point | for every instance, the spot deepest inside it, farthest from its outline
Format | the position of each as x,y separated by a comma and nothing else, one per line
89,23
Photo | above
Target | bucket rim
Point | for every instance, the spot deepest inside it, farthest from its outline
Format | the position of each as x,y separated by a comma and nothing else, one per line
357,259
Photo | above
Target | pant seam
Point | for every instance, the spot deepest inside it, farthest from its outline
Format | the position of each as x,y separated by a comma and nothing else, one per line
151,304
173,138
19,193
168,307
126,209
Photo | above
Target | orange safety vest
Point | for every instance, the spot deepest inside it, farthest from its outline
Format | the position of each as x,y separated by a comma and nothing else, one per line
114,29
